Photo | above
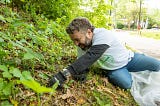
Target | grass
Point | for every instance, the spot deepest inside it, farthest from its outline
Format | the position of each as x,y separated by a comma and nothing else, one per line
155,34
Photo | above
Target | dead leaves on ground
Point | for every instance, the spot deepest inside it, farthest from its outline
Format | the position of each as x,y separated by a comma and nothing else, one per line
82,94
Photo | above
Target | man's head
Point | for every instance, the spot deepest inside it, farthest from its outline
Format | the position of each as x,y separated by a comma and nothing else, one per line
81,32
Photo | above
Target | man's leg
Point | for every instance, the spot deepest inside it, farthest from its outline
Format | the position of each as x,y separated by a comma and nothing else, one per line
141,62
120,77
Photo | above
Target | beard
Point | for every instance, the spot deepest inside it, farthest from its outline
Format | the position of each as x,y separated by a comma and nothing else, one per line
85,47
87,44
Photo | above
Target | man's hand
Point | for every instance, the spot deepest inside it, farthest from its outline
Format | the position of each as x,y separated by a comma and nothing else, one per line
82,76
59,77
62,76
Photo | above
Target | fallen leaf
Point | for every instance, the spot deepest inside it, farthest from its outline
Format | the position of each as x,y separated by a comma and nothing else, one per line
67,95
105,80
81,100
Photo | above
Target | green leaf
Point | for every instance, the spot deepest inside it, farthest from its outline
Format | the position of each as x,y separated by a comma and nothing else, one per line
23,0
28,56
7,1
26,75
2,18
8,88
3,68
16,72
6,74
9,19
2,53
39,56
17,44
43,76
1,80
1,84
31,54
1,40
6,103
35,86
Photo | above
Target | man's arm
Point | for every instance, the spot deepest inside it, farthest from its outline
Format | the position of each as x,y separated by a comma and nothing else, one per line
80,65
87,59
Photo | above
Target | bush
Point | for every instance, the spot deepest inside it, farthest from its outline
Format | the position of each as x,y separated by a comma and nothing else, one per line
120,25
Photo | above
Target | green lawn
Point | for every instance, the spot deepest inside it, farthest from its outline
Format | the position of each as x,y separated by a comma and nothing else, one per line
155,34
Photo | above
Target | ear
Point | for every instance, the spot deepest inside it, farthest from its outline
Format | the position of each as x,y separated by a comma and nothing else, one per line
89,30
90,33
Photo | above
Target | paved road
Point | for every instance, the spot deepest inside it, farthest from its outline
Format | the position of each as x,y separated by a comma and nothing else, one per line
146,45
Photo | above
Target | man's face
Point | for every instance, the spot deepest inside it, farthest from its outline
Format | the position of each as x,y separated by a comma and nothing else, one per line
83,40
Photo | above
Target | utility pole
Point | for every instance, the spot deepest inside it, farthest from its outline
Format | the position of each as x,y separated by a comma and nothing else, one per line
110,11
139,19
140,10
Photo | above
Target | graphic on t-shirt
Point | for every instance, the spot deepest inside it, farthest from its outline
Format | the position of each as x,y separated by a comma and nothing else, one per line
106,59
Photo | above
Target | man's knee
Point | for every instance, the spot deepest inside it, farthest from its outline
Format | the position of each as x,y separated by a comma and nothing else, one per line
158,68
121,78
126,85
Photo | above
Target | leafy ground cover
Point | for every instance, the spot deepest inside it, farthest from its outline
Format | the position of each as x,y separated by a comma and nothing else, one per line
31,50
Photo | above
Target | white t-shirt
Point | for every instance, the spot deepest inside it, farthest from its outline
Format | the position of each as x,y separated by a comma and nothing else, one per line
116,56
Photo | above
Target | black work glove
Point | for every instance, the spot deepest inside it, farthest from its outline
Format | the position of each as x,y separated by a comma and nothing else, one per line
59,77
81,76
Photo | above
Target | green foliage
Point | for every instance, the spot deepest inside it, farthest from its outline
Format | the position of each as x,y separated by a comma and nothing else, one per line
32,41
97,11
5,1
51,9
120,25
128,12
5,103
36,87
27,43
36,40
2,19
101,16
26,46
153,23
153,34
102,100
7,82
63,11
5,89
12,76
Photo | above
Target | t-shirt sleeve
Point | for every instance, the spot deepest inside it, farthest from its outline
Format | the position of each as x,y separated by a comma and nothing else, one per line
103,37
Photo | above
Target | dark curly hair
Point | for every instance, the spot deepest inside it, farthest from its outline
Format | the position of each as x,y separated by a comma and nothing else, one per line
79,24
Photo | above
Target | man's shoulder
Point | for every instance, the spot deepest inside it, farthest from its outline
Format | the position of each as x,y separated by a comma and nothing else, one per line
102,36
101,31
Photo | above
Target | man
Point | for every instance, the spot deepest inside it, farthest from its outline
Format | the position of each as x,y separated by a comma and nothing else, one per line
100,47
